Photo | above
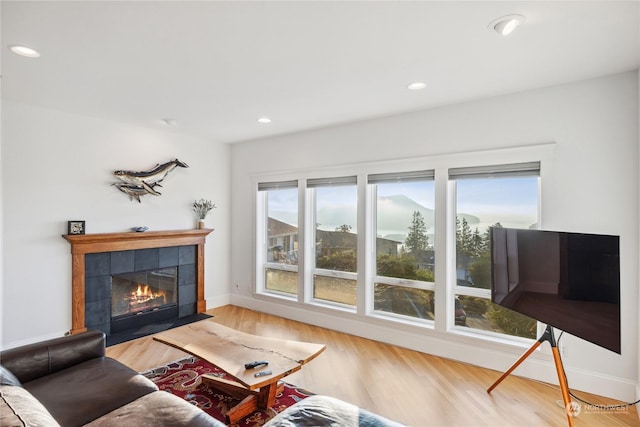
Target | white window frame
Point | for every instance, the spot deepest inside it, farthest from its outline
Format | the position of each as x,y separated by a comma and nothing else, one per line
310,243
445,286
372,224
262,248
453,287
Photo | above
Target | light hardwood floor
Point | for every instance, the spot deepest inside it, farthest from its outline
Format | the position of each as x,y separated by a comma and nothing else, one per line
410,387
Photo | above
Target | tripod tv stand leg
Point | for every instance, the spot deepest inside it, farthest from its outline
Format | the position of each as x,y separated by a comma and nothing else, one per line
562,379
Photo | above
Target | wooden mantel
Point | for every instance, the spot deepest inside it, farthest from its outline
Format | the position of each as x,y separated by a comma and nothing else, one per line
82,244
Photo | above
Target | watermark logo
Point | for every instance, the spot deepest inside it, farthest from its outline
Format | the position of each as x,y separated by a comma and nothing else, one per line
604,409
573,409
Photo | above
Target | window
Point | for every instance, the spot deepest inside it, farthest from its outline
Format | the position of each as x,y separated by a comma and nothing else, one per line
404,243
505,195
280,249
408,245
335,239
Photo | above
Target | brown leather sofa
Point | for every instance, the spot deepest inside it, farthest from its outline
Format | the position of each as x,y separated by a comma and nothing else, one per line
68,381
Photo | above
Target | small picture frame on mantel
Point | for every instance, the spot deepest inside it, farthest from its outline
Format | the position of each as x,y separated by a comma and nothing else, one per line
75,227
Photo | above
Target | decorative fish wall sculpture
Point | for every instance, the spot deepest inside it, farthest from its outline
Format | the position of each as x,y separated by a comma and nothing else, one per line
137,184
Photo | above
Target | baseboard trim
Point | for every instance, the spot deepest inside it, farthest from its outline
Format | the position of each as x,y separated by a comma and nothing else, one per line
218,301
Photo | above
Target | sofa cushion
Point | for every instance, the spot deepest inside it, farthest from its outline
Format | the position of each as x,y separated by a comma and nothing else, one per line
159,408
324,411
84,392
19,408
7,377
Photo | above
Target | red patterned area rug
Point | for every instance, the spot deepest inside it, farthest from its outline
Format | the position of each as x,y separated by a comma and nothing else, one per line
182,378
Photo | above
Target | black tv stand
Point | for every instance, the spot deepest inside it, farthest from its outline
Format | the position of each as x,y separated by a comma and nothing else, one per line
548,336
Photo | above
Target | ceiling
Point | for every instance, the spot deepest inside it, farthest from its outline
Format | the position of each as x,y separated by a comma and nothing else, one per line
216,67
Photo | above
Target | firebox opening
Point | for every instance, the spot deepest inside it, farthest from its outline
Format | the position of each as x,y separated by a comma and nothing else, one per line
143,297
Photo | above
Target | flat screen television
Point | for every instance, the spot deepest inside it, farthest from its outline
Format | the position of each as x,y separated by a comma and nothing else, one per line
570,281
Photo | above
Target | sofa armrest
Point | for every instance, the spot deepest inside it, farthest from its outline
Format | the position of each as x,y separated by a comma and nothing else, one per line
43,358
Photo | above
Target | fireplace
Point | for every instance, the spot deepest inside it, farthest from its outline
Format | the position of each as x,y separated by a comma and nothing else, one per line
173,262
138,296
130,289
142,292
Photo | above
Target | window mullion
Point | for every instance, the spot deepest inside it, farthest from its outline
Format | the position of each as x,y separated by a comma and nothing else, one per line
370,248
445,248
309,246
302,239
361,244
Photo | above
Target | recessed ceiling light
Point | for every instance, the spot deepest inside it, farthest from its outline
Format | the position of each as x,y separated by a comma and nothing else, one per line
24,51
417,86
264,120
506,24
169,122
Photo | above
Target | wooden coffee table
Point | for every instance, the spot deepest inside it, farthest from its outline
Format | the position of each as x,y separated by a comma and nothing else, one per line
230,349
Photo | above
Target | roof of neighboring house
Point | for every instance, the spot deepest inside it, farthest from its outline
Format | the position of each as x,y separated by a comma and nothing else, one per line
337,239
279,228
342,239
329,238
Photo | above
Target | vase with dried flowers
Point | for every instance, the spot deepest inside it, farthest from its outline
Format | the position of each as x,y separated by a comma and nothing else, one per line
202,207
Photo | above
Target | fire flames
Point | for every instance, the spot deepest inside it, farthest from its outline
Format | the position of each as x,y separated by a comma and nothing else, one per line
145,296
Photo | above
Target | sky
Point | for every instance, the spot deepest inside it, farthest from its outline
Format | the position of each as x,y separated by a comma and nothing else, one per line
511,201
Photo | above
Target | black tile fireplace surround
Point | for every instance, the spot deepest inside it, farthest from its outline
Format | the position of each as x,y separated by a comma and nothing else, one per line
99,267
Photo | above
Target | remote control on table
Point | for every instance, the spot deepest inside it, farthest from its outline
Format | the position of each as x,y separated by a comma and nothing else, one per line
251,365
262,373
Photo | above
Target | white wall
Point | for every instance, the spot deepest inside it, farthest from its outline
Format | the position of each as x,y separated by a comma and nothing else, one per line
638,384
638,264
1,213
58,167
593,187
